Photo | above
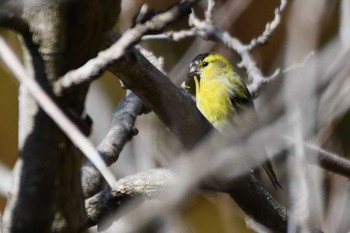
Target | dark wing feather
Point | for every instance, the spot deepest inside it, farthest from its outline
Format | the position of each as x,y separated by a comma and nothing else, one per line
240,104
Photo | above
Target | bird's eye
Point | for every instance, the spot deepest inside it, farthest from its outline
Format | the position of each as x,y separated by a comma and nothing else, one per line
205,64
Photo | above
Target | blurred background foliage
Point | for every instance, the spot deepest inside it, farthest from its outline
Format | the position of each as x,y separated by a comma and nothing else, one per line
244,19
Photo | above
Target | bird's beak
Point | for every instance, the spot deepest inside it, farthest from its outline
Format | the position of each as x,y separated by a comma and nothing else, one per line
194,71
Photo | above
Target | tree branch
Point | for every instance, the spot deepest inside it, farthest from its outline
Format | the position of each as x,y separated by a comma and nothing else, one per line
325,159
146,185
48,168
269,28
10,16
121,131
97,65
203,156
243,189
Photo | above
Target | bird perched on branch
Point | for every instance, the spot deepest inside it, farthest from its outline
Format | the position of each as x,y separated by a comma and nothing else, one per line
222,96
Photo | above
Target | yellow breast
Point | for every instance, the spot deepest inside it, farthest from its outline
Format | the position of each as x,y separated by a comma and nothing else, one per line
213,100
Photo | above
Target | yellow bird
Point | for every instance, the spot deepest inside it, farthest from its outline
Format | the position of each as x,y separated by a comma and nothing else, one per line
221,95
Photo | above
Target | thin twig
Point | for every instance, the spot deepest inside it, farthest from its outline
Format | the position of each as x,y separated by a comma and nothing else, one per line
269,28
210,11
95,66
325,159
255,86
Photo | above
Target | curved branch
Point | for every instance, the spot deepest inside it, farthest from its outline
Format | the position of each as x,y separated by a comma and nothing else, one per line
145,185
121,131
10,16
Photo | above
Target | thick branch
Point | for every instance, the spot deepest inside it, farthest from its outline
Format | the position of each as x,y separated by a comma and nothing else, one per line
162,96
10,16
270,213
146,185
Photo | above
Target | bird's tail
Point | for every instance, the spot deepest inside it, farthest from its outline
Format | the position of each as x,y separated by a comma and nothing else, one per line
267,165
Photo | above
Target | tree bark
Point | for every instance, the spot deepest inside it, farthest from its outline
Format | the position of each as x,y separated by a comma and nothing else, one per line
47,195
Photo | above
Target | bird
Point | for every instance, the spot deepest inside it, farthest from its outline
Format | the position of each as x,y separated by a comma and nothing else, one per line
222,96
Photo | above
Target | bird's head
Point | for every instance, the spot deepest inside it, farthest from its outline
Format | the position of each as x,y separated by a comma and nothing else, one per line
208,63
198,64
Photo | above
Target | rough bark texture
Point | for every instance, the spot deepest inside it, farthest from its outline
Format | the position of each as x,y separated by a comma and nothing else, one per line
47,193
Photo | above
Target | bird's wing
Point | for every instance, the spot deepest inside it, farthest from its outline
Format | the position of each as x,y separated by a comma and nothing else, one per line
242,101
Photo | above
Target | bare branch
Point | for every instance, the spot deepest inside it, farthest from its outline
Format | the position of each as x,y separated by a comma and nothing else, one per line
299,65
255,75
269,28
227,166
161,95
121,131
210,11
239,191
146,185
325,159
97,65
172,35
99,205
